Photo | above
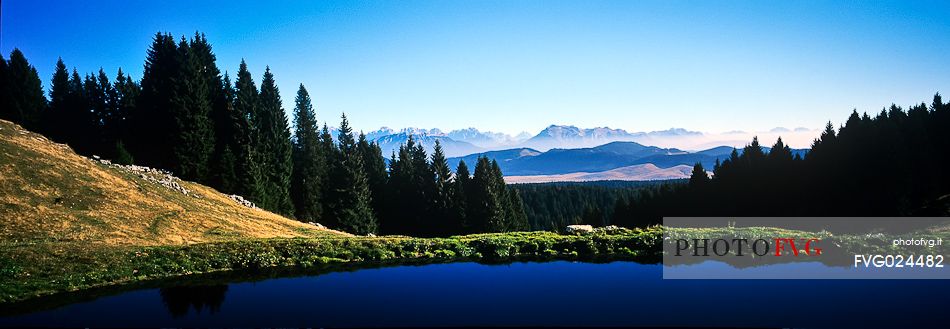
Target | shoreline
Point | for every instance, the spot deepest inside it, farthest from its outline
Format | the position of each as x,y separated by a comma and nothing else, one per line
30,272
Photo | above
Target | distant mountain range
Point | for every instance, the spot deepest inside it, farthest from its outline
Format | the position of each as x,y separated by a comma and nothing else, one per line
607,157
462,142
561,153
572,137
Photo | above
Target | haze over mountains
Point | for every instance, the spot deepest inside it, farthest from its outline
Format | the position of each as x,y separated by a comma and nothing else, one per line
471,140
563,153
611,156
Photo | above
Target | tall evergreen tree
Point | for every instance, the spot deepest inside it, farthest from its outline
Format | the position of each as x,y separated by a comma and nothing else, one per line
517,218
246,106
350,201
309,162
230,131
126,93
98,97
56,122
152,123
699,177
375,167
274,149
486,212
460,198
441,199
23,101
220,104
192,140
79,129
412,187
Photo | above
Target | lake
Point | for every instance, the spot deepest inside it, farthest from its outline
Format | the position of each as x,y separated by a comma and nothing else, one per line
516,294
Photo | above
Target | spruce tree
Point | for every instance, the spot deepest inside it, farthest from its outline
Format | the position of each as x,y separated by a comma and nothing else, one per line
375,167
460,198
441,199
309,163
245,143
517,218
98,94
152,123
230,129
699,177
210,76
331,159
192,133
56,122
126,93
506,221
486,211
79,128
350,200
23,101
274,148
111,121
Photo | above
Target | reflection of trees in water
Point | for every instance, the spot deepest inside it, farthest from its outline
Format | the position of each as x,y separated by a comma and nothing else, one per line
178,299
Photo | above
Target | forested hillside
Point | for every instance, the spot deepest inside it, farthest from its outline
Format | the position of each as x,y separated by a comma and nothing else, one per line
186,117
889,164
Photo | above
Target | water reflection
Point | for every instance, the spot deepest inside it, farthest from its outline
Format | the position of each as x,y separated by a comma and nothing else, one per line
517,294
179,299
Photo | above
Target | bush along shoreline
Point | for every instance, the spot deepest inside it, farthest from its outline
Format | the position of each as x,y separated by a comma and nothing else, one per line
31,271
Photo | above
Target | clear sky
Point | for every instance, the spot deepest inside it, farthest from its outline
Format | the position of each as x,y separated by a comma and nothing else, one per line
516,66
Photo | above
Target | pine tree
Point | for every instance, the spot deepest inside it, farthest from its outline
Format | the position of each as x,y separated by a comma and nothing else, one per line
441,200
501,190
192,132
79,128
375,167
486,209
331,160
330,150
274,148
246,140
350,200
98,97
230,131
699,177
309,166
152,123
23,101
126,93
463,186
56,123
517,218
780,152
220,104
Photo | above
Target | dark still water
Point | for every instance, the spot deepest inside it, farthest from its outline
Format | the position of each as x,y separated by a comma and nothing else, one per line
530,294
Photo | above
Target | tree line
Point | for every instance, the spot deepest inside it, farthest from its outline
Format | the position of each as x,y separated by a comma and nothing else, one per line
187,117
889,164
553,206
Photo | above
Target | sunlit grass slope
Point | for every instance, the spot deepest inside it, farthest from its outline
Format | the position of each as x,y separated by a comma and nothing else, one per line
49,194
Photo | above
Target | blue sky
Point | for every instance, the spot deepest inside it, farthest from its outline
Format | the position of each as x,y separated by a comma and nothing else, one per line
516,66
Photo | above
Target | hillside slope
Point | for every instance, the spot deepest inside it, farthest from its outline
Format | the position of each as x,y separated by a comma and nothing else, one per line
642,172
50,194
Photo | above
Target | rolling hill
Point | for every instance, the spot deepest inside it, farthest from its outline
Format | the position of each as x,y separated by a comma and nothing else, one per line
643,172
610,156
50,194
